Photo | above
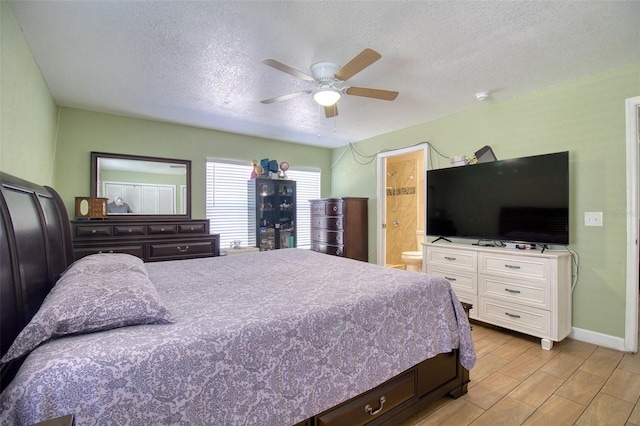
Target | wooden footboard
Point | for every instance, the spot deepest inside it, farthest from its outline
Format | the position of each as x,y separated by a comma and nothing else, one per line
400,397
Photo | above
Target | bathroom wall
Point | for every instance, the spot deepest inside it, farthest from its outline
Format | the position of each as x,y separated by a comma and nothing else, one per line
405,205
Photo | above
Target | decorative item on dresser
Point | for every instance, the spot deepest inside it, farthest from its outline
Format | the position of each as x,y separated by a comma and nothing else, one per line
91,207
146,238
339,226
522,290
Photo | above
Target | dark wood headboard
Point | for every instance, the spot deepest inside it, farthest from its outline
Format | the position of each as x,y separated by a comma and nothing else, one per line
35,248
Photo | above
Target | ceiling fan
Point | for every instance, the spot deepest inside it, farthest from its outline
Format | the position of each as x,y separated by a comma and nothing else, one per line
329,79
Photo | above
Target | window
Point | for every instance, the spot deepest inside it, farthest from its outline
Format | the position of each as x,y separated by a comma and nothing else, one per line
226,201
307,188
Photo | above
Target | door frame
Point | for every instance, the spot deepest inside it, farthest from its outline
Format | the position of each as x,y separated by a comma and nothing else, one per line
632,107
381,193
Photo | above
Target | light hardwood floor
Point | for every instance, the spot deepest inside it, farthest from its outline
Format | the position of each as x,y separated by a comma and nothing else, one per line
516,382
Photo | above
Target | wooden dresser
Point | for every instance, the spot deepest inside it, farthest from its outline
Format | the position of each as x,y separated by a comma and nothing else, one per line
339,226
150,240
523,290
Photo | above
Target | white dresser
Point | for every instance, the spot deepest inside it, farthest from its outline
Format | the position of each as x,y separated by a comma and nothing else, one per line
522,290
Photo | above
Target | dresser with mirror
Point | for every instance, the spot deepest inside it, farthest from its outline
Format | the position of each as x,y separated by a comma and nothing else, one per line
148,211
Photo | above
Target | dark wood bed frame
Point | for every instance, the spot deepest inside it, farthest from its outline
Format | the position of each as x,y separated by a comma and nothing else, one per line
36,247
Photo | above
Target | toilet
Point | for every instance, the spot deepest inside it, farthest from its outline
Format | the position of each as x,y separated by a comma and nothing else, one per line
413,259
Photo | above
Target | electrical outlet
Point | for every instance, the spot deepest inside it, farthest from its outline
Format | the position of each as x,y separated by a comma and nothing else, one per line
592,218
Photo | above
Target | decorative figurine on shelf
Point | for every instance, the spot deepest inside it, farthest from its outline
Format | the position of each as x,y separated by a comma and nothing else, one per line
273,169
264,163
284,166
254,172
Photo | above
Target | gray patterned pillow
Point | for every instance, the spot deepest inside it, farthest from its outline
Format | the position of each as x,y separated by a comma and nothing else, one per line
106,263
92,296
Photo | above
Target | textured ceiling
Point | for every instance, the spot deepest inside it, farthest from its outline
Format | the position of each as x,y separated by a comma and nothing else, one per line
199,62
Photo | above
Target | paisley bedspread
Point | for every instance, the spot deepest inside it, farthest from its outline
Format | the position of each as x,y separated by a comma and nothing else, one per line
267,338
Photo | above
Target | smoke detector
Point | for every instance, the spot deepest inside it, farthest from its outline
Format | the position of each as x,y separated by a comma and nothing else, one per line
482,96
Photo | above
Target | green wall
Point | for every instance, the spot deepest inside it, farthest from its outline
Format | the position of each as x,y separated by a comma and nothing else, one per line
28,118
585,117
81,132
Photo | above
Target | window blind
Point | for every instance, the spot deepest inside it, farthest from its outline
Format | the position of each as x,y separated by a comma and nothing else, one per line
307,188
227,201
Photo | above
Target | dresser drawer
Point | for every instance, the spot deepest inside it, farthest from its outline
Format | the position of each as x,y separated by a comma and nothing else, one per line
536,322
460,259
159,239
329,237
327,248
458,280
121,230
93,231
166,228
181,249
333,223
132,249
192,228
373,404
326,208
530,293
515,266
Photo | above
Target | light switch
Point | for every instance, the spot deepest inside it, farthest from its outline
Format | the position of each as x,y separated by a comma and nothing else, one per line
592,218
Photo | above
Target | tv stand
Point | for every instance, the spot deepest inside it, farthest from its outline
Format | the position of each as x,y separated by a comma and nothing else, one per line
521,290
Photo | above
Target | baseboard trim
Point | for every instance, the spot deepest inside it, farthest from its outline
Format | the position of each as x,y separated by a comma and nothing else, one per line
611,342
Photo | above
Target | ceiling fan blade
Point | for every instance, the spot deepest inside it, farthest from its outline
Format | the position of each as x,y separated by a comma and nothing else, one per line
357,64
331,110
286,68
385,95
286,97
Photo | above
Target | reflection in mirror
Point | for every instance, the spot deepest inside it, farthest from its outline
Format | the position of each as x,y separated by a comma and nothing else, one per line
142,185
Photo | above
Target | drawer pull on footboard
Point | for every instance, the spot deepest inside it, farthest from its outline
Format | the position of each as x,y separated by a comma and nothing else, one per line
373,412
512,291
512,266
449,258
511,315
183,250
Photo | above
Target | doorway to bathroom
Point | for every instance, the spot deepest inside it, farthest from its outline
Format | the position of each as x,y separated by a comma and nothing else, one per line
401,206
632,318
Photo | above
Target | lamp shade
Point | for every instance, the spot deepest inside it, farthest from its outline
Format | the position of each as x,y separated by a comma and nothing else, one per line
326,96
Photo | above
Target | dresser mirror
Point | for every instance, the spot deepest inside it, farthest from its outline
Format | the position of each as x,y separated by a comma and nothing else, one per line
142,186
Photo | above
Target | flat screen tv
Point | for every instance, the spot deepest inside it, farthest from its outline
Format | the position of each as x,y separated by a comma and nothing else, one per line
522,199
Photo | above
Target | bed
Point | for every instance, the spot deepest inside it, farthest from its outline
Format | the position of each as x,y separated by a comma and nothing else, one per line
284,337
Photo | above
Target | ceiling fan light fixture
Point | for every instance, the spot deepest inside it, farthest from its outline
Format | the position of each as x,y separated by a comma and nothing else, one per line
326,96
